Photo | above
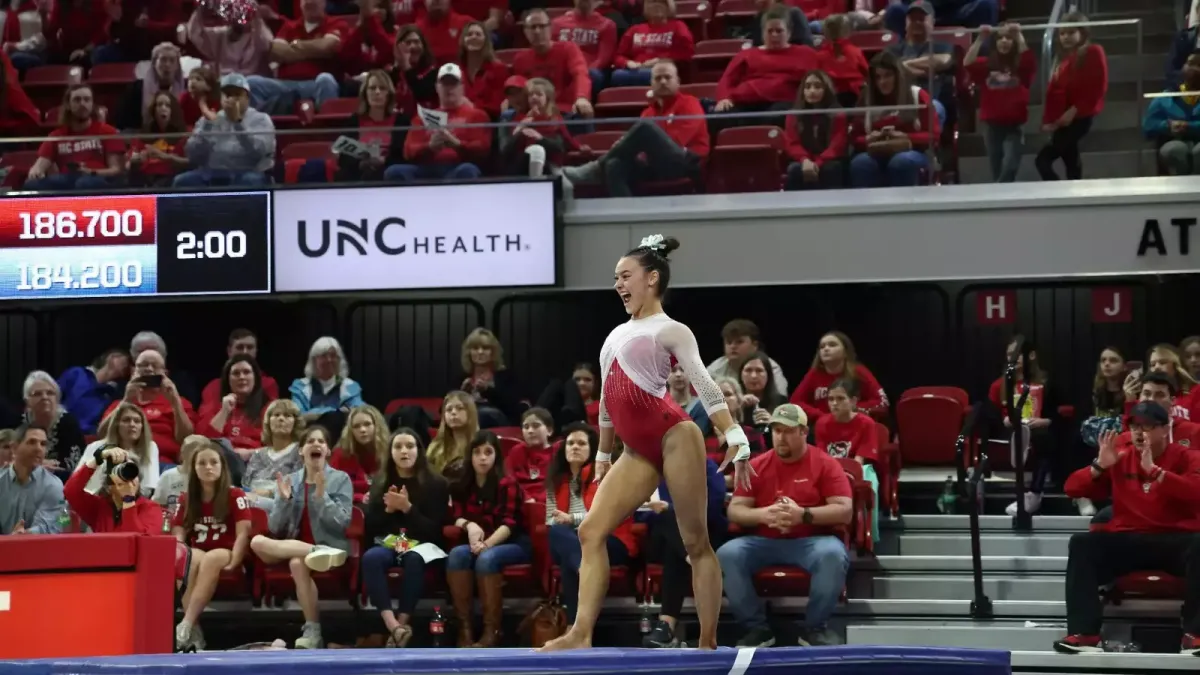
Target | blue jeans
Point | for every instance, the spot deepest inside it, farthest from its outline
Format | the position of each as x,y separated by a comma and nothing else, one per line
824,558
566,552
408,173
109,53
491,561
206,177
377,562
62,182
23,61
972,14
599,79
900,170
624,77
1005,143
279,97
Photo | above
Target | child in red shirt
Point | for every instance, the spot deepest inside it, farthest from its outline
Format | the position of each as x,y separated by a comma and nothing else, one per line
155,162
842,60
529,462
1074,97
844,432
202,98
1004,77
529,148
816,144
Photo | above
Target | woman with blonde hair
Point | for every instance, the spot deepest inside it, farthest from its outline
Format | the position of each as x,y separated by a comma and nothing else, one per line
362,448
282,426
487,381
460,422
1165,358
131,433
836,358
541,136
483,74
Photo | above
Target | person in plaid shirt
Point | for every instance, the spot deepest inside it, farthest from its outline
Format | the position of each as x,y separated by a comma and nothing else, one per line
486,504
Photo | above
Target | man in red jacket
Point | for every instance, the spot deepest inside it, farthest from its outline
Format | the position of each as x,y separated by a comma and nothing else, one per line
669,143
560,62
1155,489
437,147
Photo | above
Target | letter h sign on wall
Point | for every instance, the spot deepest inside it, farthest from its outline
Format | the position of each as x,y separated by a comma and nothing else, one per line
995,307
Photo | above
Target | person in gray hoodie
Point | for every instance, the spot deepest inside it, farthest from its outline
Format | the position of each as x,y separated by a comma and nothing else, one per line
236,148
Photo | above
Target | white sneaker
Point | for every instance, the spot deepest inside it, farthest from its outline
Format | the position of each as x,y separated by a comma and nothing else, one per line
311,637
1086,507
324,558
1033,504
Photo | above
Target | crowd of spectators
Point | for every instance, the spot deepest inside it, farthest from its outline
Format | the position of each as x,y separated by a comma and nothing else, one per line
218,86
127,445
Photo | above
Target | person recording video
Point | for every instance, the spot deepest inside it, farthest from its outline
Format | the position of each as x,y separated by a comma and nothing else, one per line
119,506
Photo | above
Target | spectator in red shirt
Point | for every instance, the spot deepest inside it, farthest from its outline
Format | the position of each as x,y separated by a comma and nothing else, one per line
1074,97
448,152
816,143
845,432
797,502
213,521
670,147
541,139
486,504
894,148
368,45
1165,358
661,37
138,25
594,34
766,77
153,162
75,28
169,414
1004,75
1155,489
413,72
85,164
836,358
241,341
364,441
380,128
528,462
560,62
306,50
483,74
18,115
310,514
238,416
120,505
202,98
442,28
800,29
842,60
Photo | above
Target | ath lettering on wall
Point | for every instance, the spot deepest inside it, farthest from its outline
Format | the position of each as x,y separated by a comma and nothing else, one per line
996,307
1152,236
1112,305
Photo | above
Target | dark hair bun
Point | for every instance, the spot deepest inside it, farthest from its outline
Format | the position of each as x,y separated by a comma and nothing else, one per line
669,244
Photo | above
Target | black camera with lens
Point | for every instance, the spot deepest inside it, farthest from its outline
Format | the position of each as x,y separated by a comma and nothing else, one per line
126,471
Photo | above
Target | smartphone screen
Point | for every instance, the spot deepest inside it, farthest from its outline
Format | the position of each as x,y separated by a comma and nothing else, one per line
150,380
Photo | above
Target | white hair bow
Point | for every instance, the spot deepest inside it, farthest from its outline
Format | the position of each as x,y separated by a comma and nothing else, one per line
654,242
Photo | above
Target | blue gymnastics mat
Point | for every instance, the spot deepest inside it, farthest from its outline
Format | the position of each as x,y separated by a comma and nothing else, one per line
778,661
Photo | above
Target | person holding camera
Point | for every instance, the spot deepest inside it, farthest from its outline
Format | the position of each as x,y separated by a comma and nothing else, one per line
308,522
119,506
214,522
169,415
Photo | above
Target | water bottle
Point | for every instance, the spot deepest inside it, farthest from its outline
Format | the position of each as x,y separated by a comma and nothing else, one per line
166,521
647,620
947,501
63,520
437,627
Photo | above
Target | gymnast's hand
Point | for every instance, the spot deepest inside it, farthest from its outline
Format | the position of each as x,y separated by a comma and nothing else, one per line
601,469
742,471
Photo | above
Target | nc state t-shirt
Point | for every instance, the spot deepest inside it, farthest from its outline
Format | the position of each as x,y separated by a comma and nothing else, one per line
91,153
207,533
856,438
809,482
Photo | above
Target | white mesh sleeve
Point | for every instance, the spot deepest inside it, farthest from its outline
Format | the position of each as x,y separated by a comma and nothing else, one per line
678,340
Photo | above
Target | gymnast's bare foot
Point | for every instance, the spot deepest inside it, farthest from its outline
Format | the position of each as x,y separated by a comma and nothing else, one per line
573,639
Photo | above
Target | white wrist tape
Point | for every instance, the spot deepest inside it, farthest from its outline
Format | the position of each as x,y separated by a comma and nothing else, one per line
603,457
735,435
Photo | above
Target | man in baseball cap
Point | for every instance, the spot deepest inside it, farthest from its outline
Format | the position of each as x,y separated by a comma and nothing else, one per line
1155,490
798,498
969,13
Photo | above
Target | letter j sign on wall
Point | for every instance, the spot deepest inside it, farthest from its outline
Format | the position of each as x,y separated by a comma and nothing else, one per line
1112,305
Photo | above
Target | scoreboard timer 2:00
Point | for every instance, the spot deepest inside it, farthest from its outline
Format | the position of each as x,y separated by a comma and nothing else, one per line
143,245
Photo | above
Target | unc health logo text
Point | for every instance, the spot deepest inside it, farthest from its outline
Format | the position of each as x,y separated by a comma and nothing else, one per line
357,236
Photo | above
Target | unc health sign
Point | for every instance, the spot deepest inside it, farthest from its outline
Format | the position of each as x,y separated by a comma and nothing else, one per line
485,235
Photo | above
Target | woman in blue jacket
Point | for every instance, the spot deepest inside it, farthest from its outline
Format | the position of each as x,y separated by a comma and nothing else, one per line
326,394
666,547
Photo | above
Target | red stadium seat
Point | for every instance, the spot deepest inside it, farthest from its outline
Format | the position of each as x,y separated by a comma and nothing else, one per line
275,581
506,56
873,41
18,162
929,426
713,56
335,112
507,443
701,90
696,15
1150,585
109,81
746,159
309,150
239,583
627,102
956,393
45,85
730,13
432,405
887,470
864,503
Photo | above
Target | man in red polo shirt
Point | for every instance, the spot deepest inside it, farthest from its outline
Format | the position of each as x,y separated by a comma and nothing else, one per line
1155,489
169,415
306,50
663,149
797,499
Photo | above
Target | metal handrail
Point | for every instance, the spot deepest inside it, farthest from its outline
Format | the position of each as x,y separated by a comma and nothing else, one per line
969,486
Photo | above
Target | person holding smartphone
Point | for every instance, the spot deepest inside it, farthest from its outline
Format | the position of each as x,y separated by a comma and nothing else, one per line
170,416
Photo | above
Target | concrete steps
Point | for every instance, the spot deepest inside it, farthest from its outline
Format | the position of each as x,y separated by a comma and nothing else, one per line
961,587
1038,545
1009,636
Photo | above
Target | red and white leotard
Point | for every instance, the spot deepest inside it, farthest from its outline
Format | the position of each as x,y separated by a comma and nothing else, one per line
635,362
